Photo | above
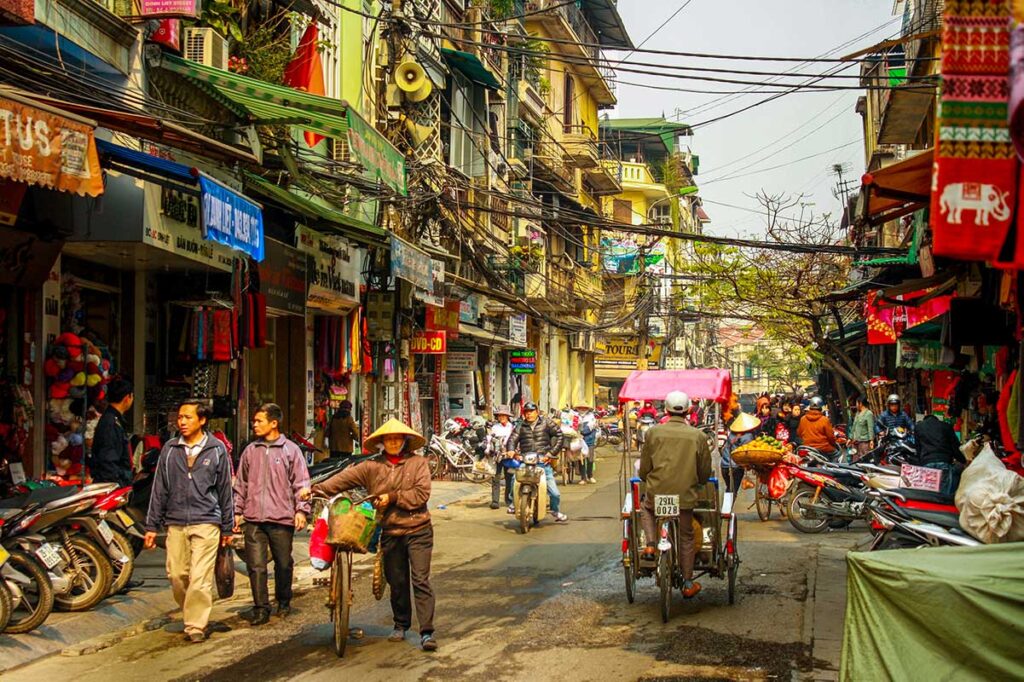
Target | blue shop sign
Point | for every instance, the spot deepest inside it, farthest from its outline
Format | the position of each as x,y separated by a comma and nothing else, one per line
231,219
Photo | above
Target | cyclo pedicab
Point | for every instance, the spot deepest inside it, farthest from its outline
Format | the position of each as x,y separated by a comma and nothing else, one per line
714,523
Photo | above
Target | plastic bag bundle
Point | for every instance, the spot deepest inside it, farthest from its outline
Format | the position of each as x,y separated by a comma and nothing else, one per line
991,500
321,555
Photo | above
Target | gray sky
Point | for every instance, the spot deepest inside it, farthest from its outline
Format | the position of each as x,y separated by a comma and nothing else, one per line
792,28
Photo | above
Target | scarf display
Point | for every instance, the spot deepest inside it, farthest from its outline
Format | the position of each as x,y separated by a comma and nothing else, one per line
339,343
974,187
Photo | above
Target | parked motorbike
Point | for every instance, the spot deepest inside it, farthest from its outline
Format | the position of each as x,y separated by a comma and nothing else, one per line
895,447
26,582
643,425
530,494
900,526
58,528
125,534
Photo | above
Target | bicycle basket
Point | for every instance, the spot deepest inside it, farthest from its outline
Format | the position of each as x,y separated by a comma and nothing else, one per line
350,526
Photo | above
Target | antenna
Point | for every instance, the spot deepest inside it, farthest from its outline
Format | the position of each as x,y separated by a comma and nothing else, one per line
842,189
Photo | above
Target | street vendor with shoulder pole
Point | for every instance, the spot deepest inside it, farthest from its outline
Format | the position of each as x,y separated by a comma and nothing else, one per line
675,460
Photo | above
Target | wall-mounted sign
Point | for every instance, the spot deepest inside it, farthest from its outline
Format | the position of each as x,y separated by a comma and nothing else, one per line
429,343
469,309
46,150
169,8
446,318
283,278
517,329
624,353
231,219
335,270
461,361
171,223
411,264
522,361
381,160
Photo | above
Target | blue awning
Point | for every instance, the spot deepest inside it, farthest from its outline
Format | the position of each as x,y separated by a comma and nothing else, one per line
124,159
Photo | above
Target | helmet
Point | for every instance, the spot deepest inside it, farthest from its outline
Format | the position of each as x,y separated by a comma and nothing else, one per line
677,402
816,403
893,398
530,406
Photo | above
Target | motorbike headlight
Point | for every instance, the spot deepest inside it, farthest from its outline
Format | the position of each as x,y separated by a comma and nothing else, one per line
530,458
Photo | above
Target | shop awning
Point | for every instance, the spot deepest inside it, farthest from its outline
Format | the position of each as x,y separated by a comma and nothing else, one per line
482,335
612,373
264,103
896,190
356,229
153,129
130,161
606,21
470,67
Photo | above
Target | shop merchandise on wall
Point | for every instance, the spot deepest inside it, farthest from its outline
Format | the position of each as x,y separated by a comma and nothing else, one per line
16,414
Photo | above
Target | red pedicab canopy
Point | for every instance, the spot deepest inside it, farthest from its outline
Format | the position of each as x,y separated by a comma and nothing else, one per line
702,384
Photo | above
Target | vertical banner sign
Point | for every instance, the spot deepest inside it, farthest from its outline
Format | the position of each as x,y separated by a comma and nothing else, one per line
523,361
231,219
444,319
517,329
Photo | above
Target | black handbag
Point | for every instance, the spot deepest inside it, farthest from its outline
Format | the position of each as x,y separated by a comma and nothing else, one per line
224,572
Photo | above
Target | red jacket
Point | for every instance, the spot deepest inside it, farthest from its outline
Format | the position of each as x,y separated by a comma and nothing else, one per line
815,431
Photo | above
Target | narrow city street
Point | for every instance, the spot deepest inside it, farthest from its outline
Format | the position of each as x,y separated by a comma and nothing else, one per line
546,606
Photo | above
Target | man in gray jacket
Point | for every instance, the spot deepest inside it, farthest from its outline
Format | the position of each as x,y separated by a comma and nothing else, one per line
272,476
191,497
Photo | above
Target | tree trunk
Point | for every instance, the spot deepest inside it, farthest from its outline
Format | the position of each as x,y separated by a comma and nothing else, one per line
838,368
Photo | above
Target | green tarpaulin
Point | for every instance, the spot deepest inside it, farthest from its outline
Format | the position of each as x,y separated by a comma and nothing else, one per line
943,613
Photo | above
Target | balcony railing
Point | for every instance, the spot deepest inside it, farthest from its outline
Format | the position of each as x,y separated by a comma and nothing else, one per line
587,287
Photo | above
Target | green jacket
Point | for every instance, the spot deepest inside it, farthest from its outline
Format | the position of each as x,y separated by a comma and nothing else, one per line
863,428
676,460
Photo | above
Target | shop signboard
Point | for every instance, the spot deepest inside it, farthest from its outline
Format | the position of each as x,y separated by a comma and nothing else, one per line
429,343
460,393
171,223
445,318
522,361
381,160
624,353
283,278
334,270
411,264
186,9
921,354
59,153
469,309
517,329
435,295
231,219
461,361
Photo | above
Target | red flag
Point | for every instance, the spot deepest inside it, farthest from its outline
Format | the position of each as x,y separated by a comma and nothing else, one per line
306,72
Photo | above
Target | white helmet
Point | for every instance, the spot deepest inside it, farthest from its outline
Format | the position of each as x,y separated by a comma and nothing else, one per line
893,398
677,402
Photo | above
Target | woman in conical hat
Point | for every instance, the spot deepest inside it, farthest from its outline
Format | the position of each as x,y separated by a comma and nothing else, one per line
400,484
741,431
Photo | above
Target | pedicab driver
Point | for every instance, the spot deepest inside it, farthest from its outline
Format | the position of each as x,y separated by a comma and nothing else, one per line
675,460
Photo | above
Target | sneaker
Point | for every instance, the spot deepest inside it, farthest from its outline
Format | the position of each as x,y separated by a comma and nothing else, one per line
196,637
511,509
494,505
560,517
397,635
591,480
690,589
428,642
582,481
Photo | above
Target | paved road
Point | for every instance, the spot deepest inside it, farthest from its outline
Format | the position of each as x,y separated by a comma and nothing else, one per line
546,606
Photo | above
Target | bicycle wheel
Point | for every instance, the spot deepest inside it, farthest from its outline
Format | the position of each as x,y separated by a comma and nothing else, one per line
732,559
342,589
762,501
665,582
629,563
433,464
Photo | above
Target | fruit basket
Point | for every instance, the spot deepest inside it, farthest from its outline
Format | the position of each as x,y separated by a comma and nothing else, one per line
763,450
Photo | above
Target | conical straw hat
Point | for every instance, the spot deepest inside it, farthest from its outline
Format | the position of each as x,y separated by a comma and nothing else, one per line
744,422
393,426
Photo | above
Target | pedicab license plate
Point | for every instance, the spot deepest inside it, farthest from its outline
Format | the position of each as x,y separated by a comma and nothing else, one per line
105,532
48,554
666,505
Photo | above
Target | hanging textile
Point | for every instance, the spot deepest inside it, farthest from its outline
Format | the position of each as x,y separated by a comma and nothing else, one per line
975,177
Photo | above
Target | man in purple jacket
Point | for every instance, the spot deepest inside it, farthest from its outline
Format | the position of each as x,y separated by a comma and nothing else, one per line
271,477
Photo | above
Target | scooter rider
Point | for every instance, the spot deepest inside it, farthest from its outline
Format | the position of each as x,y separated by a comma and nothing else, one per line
543,436
894,417
675,460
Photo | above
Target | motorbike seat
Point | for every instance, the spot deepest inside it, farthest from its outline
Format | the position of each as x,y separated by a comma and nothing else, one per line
925,496
39,496
944,519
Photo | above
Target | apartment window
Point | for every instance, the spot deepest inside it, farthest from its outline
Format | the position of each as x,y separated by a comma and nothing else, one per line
468,130
568,102
622,211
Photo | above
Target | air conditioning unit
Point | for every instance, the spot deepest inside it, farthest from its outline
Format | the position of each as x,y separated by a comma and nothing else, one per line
207,47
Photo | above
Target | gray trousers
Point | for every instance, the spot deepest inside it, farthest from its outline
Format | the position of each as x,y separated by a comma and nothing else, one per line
684,543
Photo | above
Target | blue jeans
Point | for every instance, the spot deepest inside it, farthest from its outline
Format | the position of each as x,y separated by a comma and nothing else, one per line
554,498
